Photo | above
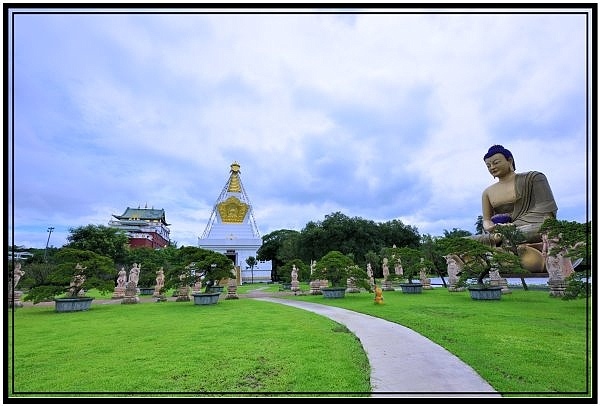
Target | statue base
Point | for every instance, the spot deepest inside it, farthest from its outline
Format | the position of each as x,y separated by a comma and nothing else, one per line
387,285
557,287
14,299
119,293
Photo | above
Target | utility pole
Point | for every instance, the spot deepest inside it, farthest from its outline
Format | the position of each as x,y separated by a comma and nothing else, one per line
46,250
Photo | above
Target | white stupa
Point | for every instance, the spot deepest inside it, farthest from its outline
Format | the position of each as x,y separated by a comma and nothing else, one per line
232,230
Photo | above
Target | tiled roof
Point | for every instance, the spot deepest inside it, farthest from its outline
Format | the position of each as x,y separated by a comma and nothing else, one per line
143,214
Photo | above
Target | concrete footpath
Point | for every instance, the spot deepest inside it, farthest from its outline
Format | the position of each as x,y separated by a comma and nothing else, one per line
403,362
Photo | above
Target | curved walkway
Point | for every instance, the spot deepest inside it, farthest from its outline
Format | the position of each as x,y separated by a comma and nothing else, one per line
403,362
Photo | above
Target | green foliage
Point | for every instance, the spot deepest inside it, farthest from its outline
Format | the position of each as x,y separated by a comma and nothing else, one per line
107,241
572,239
338,232
411,259
98,272
578,286
456,232
337,268
276,247
198,264
479,258
433,253
303,270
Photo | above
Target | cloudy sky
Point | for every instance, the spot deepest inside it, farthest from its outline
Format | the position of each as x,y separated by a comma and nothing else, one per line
380,116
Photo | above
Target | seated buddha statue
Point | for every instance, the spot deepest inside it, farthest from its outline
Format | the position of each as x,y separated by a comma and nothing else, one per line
523,199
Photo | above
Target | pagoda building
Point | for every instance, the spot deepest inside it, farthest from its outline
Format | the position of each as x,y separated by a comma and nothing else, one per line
144,227
232,230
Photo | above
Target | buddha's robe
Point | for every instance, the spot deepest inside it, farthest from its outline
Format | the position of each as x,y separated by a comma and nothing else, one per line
534,203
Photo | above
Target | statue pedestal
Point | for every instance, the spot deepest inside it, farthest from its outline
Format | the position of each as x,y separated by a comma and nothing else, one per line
183,294
351,286
426,282
119,293
232,290
295,286
131,296
14,299
557,287
315,288
387,285
502,283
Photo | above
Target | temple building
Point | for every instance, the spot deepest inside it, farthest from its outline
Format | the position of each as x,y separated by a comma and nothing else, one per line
232,230
144,227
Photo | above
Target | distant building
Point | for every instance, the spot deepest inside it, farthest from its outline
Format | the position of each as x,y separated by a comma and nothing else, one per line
144,227
232,230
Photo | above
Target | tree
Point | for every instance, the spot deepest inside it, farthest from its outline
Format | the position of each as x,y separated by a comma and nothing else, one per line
456,232
198,264
107,241
572,240
337,268
271,249
479,259
479,225
251,262
97,269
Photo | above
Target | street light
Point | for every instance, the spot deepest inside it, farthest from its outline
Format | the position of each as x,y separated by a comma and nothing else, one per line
46,250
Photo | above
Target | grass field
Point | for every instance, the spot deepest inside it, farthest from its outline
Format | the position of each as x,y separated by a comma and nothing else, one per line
239,346
525,344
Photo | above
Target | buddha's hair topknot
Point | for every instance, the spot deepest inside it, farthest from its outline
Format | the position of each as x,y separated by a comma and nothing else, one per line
499,149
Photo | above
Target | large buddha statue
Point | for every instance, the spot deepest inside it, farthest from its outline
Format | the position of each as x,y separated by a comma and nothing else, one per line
523,199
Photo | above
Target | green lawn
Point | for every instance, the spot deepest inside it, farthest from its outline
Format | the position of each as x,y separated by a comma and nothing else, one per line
527,342
243,346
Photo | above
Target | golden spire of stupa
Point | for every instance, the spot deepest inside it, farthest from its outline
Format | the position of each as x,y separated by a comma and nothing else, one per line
234,179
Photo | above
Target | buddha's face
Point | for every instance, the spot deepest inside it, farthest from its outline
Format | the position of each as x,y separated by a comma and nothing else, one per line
498,165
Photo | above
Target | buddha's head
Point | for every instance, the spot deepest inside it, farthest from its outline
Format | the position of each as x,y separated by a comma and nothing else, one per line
499,159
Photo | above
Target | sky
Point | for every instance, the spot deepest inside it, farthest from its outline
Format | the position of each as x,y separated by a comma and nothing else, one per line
380,116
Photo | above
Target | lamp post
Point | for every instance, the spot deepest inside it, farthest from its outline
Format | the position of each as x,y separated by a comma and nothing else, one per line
46,250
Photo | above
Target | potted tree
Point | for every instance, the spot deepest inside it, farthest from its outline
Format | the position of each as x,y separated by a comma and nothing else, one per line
200,265
337,268
74,271
412,262
567,247
478,260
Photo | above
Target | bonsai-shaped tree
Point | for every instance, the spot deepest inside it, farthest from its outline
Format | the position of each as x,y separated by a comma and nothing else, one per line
412,262
337,268
572,240
195,264
73,271
479,259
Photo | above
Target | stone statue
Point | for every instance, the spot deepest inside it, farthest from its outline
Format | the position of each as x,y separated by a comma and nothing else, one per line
122,278
160,278
77,281
398,268
295,284
134,275
370,275
386,269
17,274
453,263
160,283
313,264
14,296
523,199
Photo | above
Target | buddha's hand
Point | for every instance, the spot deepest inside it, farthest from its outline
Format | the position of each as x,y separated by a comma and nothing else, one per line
503,218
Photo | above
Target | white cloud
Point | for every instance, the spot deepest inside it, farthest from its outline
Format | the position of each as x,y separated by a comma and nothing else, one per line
379,116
